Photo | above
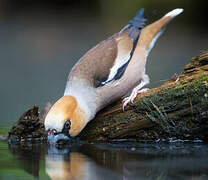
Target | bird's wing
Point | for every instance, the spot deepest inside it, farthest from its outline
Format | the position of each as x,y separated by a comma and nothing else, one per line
107,61
101,63
123,48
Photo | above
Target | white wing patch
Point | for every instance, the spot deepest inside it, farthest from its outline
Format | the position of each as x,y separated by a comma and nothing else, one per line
119,62
123,56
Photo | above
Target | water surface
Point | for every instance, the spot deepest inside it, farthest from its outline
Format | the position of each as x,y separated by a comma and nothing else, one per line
127,160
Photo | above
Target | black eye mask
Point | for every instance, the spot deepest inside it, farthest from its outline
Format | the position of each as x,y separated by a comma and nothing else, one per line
66,128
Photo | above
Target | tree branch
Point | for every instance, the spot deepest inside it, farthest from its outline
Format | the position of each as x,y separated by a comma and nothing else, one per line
177,110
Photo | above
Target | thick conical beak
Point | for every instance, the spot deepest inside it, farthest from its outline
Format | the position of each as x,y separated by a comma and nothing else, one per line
57,138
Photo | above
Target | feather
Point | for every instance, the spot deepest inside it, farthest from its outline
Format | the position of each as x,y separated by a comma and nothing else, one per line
134,29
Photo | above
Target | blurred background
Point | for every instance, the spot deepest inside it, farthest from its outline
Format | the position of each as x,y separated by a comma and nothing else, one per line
41,40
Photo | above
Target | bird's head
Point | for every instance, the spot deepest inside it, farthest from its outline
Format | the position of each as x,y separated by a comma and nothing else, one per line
65,119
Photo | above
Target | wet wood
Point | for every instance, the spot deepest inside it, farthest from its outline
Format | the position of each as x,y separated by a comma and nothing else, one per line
176,110
29,127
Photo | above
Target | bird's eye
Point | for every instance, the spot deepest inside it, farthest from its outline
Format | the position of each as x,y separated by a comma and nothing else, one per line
66,128
54,131
67,124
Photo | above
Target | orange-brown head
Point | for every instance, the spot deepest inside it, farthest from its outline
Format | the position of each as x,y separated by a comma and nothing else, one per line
65,117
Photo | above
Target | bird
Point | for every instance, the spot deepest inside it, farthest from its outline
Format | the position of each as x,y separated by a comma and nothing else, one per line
104,74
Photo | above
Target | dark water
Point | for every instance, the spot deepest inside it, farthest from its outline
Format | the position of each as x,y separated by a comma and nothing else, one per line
126,161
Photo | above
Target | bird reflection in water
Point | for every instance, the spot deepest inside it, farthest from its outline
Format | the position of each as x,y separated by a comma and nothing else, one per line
71,164
65,165
112,162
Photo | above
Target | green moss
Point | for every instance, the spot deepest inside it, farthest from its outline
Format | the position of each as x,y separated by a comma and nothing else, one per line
202,79
178,86
176,110
184,82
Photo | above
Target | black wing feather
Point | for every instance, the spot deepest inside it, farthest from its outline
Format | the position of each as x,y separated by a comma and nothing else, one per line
135,26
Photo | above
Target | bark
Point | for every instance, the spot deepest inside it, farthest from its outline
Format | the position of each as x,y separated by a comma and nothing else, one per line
176,110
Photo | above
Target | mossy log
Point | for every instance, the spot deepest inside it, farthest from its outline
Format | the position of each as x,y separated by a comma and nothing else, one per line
176,110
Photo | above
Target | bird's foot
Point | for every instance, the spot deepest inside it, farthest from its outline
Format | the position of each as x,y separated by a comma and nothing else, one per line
133,96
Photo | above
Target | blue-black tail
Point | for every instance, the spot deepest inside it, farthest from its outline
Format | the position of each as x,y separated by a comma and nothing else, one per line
149,34
136,24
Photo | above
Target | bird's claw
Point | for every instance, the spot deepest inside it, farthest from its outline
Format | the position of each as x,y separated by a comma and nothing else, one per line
132,97
125,102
